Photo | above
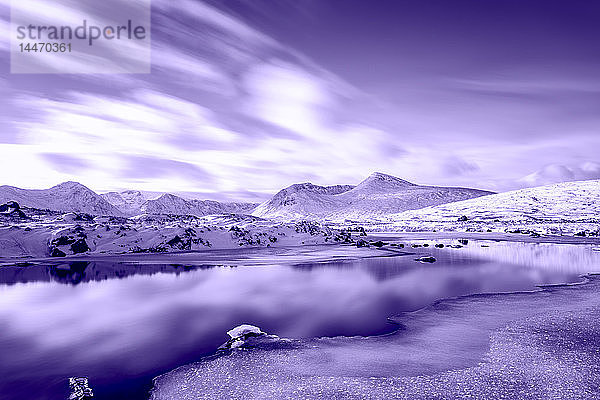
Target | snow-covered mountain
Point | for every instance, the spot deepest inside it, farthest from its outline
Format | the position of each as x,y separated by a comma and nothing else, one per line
379,194
67,196
129,201
175,205
568,201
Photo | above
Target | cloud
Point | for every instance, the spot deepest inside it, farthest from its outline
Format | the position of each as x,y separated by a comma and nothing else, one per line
555,173
140,167
65,163
455,166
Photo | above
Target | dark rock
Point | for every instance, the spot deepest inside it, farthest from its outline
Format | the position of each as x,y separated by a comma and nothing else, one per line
62,241
426,259
57,253
80,246
378,243
12,209
439,245
463,218
362,243
463,241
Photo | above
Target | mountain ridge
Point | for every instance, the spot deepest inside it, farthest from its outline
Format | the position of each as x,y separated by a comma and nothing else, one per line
378,194
67,196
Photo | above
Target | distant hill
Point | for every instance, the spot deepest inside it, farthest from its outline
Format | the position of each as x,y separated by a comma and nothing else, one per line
129,201
379,194
571,201
171,204
67,196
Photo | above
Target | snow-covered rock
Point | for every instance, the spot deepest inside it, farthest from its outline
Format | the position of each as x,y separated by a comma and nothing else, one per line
378,195
50,235
247,335
67,196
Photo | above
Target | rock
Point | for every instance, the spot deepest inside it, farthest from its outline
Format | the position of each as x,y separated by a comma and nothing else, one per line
12,209
426,259
378,243
362,243
57,253
464,242
80,246
439,245
244,331
247,335
62,241
463,218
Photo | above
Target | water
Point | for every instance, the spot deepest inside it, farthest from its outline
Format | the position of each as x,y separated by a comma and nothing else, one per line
121,324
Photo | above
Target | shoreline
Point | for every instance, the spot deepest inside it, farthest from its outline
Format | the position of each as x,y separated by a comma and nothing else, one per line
417,327
189,255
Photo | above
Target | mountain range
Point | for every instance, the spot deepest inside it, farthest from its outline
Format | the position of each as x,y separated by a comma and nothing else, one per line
377,195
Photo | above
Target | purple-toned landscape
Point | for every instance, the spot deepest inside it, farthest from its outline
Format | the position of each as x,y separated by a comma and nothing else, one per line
308,199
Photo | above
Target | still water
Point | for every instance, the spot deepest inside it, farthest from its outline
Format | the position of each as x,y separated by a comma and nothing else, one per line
121,324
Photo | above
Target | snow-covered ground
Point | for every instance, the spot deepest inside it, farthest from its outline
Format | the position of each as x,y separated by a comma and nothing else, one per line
57,235
564,208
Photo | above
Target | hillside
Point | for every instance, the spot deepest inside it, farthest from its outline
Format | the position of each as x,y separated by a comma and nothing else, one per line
175,205
561,204
67,196
129,201
378,195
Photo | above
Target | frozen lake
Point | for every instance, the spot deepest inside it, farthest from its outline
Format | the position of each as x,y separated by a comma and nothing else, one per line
121,322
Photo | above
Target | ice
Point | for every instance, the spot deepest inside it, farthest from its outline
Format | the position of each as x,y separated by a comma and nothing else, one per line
530,345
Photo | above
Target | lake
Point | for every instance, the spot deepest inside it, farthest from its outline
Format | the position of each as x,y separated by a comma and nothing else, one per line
123,322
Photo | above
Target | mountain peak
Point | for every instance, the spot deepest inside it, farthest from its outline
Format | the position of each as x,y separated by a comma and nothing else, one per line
69,185
379,180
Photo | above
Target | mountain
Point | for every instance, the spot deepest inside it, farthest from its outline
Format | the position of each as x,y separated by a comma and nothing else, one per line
171,204
572,201
129,201
67,196
379,194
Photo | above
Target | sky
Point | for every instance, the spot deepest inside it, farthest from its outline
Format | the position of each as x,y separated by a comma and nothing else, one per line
246,97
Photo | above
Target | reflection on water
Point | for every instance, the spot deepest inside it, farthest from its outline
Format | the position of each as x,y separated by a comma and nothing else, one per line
72,319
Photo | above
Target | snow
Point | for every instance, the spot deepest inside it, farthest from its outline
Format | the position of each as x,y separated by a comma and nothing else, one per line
129,202
73,233
529,345
243,330
67,196
378,195
171,204
552,209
